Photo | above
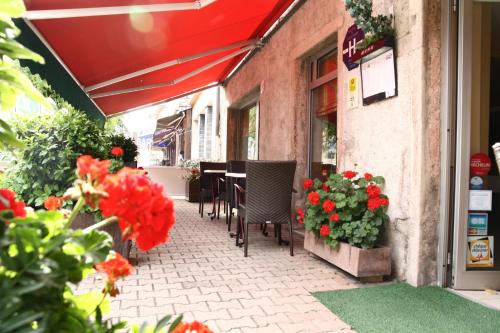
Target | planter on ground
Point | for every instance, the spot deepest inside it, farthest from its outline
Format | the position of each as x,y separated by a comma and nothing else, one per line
119,246
193,190
362,263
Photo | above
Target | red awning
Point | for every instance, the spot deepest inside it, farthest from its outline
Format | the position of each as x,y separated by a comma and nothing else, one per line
128,54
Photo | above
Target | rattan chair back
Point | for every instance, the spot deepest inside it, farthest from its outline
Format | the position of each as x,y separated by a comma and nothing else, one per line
269,187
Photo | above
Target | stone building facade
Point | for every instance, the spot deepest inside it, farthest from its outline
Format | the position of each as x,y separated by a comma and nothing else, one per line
397,138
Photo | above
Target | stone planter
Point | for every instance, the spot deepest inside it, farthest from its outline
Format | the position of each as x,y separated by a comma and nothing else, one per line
362,263
119,246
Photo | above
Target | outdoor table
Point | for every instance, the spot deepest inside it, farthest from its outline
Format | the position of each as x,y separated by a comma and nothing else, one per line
236,175
214,174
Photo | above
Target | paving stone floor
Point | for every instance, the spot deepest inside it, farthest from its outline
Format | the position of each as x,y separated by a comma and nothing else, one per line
202,274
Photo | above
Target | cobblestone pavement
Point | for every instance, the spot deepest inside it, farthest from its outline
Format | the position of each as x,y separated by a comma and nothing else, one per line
202,274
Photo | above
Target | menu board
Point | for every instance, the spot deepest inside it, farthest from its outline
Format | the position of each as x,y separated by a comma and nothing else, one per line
378,76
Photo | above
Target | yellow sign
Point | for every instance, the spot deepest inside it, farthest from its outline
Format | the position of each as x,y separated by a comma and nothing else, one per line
480,252
353,84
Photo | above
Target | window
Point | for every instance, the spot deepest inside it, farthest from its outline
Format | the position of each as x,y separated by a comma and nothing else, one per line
247,133
323,109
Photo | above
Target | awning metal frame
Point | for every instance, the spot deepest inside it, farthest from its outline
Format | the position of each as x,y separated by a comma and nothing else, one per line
175,81
171,63
49,14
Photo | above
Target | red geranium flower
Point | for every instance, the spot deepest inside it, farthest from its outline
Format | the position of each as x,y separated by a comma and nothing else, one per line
325,187
8,202
308,183
117,151
194,327
334,217
300,213
349,174
373,191
328,206
313,198
376,203
368,176
91,168
144,213
53,203
324,230
115,268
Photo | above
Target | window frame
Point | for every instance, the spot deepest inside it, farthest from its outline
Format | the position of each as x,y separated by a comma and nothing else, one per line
314,82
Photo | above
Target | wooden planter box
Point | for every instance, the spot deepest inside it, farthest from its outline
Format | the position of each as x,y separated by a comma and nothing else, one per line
362,263
119,246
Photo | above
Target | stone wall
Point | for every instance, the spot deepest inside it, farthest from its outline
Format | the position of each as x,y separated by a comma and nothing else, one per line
397,138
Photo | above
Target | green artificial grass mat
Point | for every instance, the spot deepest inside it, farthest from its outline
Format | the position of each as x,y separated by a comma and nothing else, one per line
403,308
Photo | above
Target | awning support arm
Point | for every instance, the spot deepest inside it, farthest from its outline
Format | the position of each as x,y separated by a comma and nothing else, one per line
47,14
179,79
171,63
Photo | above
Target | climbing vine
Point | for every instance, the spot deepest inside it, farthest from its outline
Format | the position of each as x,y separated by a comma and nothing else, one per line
374,27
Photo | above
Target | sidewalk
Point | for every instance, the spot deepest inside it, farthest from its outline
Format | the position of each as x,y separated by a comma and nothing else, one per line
201,273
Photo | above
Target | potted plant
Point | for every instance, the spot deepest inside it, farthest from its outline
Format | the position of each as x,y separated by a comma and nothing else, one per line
344,218
124,148
192,178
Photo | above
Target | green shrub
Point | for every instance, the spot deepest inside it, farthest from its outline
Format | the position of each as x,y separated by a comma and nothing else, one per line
52,144
127,144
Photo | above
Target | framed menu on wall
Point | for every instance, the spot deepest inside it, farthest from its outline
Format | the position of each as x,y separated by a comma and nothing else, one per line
378,76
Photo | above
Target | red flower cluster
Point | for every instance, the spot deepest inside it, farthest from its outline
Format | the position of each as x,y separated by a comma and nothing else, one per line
53,203
368,176
144,213
313,198
324,230
373,191
334,217
8,202
117,151
328,206
194,327
308,183
92,169
115,268
376,203
349,174
325,187
300,216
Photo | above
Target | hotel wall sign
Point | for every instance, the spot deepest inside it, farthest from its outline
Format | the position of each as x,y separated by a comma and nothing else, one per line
353,36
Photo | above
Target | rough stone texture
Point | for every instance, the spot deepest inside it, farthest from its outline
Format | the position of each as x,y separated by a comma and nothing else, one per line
201,274
397,138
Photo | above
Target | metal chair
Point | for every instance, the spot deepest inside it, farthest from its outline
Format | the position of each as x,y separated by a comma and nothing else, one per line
267,198
236,167
207,183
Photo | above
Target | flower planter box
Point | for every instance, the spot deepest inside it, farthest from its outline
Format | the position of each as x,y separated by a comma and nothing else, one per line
119,246
362,263
193,191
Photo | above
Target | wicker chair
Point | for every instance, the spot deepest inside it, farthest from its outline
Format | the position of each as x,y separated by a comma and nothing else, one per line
207,182
267,198
236,167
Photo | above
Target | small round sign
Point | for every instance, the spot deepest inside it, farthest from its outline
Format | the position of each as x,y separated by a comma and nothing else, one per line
480,164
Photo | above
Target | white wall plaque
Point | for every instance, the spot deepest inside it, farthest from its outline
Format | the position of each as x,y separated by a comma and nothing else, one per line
480,200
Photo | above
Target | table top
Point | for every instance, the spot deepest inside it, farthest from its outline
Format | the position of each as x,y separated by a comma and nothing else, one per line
214,171
236,175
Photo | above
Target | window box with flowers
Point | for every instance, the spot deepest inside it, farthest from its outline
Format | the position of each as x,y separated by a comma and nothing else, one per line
344,218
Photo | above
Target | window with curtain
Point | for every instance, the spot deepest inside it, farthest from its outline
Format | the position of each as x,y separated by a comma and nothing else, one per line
323,108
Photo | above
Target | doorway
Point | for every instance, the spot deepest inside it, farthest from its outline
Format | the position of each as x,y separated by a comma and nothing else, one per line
476,192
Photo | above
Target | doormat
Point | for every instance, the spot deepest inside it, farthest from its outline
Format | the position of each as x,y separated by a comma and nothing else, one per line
403,308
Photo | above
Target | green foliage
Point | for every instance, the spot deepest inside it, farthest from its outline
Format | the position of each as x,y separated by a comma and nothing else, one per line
13,82
36,270
191,170
52,144
127,144
375,28
357,225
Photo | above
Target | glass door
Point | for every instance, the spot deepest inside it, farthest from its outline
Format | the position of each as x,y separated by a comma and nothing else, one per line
476,249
